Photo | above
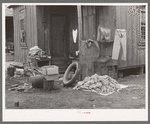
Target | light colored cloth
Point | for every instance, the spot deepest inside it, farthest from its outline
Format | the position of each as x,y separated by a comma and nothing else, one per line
103,85
119,40
74,34
103,34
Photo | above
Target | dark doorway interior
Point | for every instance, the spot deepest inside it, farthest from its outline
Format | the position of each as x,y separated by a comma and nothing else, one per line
9,38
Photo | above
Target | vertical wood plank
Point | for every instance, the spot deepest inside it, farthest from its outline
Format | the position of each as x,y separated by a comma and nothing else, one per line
46,28
112,20
138,35
90,23
134,41
35,25
40,19
79,9
85,27
32,26
93,10
118,16
123,26
18,30
27,27
15,35
106,17
89,8
129,36
141,56
84,10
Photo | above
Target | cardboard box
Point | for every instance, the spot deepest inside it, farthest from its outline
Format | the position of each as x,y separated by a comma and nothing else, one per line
50,70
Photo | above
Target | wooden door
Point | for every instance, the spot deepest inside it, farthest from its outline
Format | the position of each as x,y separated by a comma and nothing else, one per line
58,35
59,42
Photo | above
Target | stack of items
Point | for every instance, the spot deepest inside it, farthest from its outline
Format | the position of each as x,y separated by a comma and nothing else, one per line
103,85
19,72
36,53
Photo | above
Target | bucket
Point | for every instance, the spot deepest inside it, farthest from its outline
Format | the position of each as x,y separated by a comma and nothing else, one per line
48,85
36,81
10,71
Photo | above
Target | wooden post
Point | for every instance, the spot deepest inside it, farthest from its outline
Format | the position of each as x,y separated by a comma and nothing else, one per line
79,10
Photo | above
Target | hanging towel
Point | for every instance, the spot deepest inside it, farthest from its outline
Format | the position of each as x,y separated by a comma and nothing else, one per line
103,34
119,40
74,34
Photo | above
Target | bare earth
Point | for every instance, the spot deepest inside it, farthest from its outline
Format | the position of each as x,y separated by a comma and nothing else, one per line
66,98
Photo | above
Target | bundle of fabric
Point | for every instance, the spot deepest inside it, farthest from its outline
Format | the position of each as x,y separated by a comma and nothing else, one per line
35,51
104,34
103,85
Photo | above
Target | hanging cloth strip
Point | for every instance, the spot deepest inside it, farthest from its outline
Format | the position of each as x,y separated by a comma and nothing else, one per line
120,40
103,34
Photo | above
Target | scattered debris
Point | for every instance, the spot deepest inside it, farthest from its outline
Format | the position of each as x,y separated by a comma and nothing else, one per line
61,79
103,85
16,87
136,76
122,87
37,53
121,80
134,98
16,104
10,71
17,65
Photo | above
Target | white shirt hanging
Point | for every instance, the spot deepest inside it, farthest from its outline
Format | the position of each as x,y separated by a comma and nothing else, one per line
74,34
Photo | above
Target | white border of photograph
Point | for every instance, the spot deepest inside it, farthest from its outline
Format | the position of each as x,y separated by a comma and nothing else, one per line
75,114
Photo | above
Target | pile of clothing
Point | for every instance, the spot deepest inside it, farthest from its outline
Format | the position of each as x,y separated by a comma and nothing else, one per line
103,85
37,53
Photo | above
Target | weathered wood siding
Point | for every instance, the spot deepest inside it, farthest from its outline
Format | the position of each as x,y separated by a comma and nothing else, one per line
41,25
73,25
113,17
88,55
44,14
31,32
130,22
9,28
92,17
106,17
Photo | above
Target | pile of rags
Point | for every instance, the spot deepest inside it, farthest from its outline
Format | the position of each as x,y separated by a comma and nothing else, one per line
36,52
104,85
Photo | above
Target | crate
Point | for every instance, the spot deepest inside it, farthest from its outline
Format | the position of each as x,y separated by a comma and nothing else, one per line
105,69
50,70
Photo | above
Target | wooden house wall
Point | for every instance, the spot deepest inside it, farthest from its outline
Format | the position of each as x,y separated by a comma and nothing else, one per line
88,55
30,28
113,17
73,25
41,24
9,29
130,22
44,26
106,17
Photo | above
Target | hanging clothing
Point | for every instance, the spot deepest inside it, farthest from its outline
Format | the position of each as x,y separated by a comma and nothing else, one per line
103,34
74,34
119,40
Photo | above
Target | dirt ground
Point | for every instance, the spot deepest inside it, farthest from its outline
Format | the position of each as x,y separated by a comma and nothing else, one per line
66,98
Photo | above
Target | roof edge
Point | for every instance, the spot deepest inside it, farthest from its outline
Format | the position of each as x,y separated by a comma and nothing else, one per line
12,6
